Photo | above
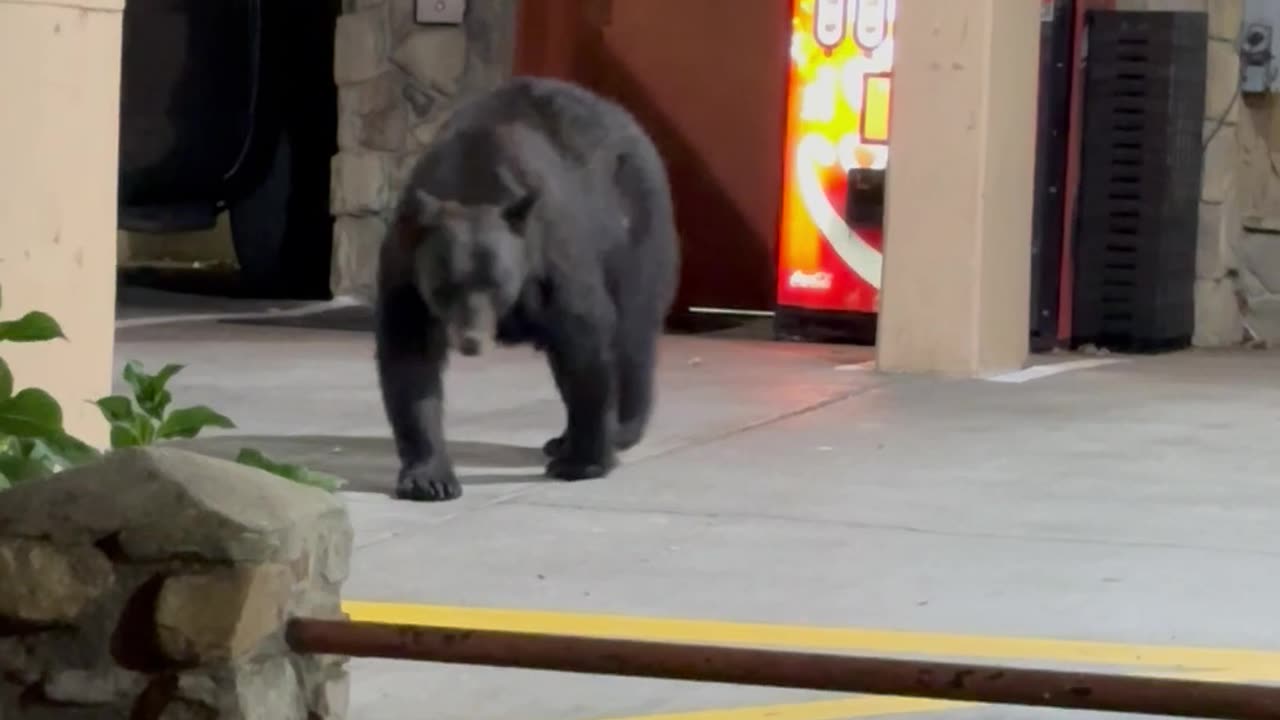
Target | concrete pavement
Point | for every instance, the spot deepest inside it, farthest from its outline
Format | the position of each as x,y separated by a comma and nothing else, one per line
1131,504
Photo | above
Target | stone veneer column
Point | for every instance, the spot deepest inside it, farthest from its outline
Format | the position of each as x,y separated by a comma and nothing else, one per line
1219,320
397,81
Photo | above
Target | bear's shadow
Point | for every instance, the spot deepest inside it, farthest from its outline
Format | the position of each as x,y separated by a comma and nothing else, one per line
370,464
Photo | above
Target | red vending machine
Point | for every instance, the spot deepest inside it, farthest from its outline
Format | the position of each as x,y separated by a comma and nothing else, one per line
836,153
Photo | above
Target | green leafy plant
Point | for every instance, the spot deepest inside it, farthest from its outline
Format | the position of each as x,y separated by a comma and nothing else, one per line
34,444
296,473
145,418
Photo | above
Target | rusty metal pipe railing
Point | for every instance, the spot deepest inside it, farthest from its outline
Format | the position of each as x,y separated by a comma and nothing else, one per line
800,670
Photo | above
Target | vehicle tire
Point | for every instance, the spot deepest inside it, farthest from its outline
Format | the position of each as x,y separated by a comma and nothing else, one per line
282,230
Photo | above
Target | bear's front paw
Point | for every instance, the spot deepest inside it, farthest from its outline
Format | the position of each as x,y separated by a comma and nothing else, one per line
624,438
570,469
431,482
628,435
554,447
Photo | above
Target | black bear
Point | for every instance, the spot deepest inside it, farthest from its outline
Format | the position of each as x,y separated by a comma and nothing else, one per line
540,214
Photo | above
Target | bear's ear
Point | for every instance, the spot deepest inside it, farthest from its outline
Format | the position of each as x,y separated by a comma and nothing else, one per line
427,208
516,214
418,213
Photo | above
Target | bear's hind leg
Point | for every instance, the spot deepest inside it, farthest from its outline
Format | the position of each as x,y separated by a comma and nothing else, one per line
634,362
585,377
636,357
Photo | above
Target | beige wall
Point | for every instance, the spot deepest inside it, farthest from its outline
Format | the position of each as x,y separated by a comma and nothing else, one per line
958,207
60,79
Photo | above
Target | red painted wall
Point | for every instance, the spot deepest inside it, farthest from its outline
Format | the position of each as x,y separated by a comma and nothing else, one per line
707,80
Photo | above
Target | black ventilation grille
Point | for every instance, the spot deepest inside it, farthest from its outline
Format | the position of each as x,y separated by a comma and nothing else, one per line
1135,245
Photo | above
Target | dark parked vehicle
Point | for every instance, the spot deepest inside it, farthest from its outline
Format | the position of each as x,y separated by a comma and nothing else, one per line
230,105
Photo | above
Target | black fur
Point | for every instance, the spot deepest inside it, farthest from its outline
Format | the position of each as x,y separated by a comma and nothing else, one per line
541,214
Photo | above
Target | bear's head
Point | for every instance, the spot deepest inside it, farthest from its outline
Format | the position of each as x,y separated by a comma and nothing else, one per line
469,262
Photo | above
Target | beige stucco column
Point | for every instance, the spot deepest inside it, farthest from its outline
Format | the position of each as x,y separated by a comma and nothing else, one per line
955,296
60,80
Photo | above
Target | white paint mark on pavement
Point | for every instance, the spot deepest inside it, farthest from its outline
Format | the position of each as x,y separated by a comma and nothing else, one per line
1037,372
299,311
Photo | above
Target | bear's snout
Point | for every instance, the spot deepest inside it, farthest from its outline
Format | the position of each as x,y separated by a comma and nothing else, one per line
468,342
469,345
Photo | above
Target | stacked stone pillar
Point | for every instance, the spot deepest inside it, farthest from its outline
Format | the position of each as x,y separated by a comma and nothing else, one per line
156,585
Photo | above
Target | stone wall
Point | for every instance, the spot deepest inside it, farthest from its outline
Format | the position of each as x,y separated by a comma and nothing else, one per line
1219,310
155,585
1259,248
397,81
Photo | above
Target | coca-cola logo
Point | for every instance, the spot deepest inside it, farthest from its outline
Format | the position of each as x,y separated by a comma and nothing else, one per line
800,280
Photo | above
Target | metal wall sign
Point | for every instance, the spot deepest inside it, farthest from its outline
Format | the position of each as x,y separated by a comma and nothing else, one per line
439,12
1259,64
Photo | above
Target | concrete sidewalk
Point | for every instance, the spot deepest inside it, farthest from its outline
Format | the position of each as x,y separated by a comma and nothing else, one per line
782,483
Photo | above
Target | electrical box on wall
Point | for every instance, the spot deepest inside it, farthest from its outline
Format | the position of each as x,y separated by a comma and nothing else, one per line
439,12
1259,65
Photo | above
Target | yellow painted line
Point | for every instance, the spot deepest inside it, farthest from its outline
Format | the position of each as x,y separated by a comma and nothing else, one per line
862,640
1221,664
